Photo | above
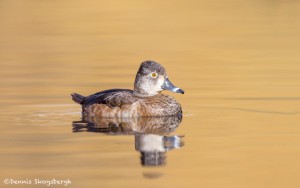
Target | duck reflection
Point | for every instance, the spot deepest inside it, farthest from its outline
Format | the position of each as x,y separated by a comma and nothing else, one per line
154,147
151,134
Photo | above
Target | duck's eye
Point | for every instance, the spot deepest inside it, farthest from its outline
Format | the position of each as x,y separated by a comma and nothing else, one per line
154,75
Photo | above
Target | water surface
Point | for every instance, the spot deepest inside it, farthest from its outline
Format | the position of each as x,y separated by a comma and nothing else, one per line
237,61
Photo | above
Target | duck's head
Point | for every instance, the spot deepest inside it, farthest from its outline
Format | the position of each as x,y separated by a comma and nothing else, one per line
151,79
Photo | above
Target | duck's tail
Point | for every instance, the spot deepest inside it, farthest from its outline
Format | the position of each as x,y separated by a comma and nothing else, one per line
77,98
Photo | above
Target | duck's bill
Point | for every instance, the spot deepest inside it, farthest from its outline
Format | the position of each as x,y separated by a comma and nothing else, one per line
169,86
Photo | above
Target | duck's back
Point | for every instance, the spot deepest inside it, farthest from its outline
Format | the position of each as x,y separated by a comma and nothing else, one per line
122,103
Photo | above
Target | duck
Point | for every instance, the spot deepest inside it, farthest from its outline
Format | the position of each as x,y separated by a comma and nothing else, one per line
144,100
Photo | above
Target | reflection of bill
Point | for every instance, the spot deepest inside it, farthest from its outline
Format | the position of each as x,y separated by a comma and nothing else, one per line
150,134
154,147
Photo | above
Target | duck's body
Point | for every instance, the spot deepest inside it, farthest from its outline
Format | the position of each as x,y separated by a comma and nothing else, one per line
122,103
144,100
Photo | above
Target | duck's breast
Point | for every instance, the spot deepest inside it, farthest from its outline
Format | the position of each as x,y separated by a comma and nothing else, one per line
160,105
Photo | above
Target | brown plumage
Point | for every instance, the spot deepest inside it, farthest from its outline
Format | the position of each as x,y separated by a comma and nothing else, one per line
133,125
144,100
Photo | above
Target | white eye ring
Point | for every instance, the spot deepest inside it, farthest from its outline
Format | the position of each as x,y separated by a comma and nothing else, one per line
154,75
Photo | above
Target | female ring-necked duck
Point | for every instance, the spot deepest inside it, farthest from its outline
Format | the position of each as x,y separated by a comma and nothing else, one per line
145,100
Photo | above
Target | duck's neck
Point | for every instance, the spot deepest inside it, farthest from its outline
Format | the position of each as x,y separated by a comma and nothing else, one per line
141,93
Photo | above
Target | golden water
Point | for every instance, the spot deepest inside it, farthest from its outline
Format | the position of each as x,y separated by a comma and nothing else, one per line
238,61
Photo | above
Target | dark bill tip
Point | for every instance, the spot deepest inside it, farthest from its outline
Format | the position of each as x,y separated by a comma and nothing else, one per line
178,90
169,86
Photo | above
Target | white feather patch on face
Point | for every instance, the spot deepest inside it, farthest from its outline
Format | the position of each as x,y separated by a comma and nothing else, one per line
153,88
160,82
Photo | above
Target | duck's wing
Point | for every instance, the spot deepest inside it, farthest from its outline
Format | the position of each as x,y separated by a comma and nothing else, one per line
112,98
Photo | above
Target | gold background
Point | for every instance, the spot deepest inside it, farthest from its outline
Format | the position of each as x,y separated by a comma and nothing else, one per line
237,60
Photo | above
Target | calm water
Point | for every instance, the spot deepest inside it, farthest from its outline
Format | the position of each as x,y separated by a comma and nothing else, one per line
239,63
